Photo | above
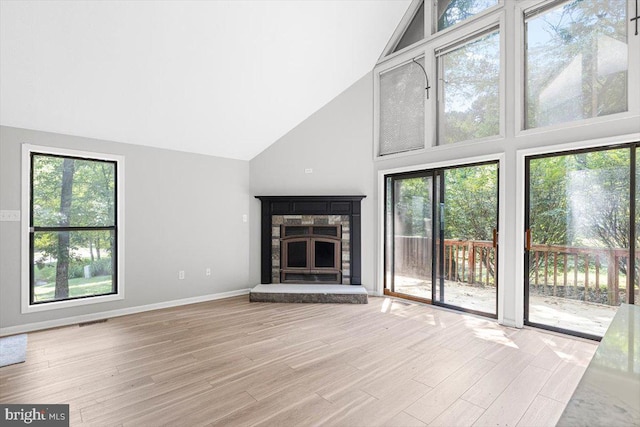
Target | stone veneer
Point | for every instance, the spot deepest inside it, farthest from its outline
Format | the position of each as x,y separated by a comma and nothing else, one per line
277,220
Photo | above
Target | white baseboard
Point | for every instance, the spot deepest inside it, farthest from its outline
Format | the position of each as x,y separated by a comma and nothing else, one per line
56,323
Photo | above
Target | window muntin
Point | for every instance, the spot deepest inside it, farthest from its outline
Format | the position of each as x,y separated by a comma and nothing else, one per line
469,79
73,228
450,12
402,106
575,62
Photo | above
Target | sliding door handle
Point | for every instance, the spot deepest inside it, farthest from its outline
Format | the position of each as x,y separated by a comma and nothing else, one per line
527,239
495,238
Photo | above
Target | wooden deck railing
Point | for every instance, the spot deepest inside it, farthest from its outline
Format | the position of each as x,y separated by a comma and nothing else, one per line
469,261
585,272
590,274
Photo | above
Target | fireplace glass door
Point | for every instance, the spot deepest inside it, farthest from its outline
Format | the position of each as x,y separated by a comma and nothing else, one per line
311,254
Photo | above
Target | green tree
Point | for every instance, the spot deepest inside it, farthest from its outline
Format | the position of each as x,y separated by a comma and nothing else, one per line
62,266
471,202
413,207
576,62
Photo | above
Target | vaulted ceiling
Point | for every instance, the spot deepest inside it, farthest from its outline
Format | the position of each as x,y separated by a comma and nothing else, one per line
223,78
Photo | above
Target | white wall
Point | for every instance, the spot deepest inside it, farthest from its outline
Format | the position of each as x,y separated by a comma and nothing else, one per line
336,142
182,212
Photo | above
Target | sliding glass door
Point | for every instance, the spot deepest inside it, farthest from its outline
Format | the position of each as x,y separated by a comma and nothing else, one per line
409,234
441,237
635,162
467,271
581,228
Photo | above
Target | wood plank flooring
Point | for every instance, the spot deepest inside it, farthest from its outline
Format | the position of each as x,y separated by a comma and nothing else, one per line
235,363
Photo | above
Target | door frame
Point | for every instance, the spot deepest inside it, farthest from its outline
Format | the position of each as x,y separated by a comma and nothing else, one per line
632,147
521,183
416,169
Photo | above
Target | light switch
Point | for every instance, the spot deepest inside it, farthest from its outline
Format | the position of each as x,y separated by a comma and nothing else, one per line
10,216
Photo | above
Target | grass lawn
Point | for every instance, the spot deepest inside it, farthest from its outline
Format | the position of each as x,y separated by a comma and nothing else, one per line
77,288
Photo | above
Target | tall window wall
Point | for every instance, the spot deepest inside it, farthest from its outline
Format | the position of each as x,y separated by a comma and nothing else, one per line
520,81
448,85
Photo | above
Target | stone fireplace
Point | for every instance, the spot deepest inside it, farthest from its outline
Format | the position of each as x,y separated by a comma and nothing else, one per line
310,239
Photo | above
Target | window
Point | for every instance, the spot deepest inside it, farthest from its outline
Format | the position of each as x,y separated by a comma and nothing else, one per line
580,238
74,237
469,79
576,62
414,32
450,12
402,103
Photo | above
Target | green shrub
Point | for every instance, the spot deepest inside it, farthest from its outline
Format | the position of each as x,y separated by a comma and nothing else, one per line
101,267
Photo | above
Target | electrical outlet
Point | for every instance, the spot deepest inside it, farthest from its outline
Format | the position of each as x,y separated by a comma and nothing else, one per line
308,170
207,272
245,218
181,274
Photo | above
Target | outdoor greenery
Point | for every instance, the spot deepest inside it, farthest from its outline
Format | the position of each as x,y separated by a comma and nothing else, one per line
576,68
471,202
579,206
470,205
470,105
576,62
451,12
581,199
80,287
72,192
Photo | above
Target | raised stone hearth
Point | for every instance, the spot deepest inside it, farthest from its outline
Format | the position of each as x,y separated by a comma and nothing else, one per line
290,293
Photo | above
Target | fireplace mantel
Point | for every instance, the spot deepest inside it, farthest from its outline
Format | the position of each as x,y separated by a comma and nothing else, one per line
310,205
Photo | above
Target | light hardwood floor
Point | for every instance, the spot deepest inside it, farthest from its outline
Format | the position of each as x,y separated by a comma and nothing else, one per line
235,363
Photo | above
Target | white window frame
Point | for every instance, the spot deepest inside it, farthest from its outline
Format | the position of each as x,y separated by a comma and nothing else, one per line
521,156
27,307
406,20
633,83
434,21
493,17
398,61
428,49
476,28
